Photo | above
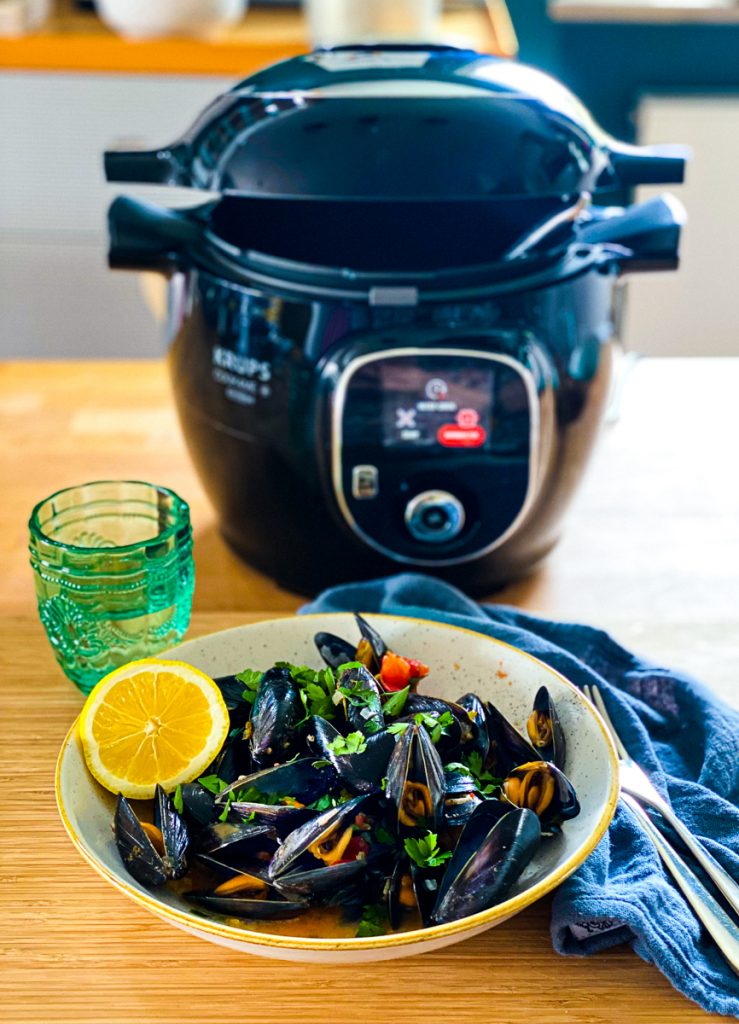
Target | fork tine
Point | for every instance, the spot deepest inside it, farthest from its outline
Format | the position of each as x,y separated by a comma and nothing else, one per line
598,701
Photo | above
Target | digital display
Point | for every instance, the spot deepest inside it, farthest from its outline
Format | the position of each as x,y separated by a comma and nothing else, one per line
450,409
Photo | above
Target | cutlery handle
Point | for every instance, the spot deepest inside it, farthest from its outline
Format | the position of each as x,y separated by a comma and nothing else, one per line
720,878
715,920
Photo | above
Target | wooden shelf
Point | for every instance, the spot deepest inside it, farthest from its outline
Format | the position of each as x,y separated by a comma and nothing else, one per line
80,42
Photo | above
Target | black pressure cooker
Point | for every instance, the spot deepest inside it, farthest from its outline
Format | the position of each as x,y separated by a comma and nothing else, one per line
392,321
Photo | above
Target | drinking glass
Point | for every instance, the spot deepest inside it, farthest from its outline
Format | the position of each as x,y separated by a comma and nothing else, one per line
114,574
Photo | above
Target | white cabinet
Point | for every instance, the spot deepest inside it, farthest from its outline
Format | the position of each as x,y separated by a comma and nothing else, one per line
57,296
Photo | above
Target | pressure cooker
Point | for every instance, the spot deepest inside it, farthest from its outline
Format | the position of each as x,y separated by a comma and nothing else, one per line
393,314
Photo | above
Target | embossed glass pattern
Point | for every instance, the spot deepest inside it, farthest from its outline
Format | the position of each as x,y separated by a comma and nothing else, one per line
114,574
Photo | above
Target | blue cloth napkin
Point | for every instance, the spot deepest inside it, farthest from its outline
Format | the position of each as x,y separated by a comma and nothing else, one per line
685,738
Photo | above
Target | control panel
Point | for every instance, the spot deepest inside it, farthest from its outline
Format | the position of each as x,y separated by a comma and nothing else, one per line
433,450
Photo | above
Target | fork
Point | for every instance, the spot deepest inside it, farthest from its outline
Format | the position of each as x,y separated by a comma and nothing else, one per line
634,783
638,784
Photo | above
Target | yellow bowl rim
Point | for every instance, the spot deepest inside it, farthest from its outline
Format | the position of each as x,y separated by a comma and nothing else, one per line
484,918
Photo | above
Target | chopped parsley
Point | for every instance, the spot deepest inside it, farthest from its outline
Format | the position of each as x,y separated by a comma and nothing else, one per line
425,851
251,680
395,703
486,783
397,727
178,802
354,743
373,921
213,784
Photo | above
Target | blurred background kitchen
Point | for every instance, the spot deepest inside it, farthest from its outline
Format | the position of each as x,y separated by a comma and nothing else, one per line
77,77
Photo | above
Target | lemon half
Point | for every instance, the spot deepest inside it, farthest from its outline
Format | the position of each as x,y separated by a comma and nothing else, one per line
152,722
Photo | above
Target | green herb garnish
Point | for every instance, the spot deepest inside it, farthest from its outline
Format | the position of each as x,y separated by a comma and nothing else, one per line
395,703
227,806
373,921
354,743
397,727
177,801
213,784
251,680
425,851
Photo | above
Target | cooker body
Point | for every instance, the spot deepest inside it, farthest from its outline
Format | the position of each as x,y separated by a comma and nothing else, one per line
340,440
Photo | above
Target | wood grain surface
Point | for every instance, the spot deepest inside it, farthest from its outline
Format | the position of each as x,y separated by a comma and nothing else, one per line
651,552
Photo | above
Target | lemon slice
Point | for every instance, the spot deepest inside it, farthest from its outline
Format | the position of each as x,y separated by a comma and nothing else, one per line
152,722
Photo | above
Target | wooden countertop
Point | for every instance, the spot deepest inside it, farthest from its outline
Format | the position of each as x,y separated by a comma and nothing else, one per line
77,42
651,552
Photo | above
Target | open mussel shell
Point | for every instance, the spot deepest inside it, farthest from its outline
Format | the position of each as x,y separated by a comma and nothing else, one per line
234,758
371,649
299,779
411,890
508,748
460,733
239,845
475,709
315,882
247,895
415,782
544,789
545,730
492,852
151,853
283,818
334,651
199,805
275,714
363,715
362,772
324,839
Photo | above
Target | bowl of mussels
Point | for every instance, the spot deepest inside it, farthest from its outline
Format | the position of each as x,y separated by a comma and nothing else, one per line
387,786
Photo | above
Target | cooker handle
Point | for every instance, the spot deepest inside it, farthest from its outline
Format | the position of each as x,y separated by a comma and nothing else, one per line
153,166
649,165
648,233
148,237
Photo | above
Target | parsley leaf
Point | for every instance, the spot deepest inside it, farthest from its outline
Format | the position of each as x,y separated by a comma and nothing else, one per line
486,783
437,725
178,802
227,806
354,743
383,836
396,702
425,851
373,922
251,679
397,727
212,783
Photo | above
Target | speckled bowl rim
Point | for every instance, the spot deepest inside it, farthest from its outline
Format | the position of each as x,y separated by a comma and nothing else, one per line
471,923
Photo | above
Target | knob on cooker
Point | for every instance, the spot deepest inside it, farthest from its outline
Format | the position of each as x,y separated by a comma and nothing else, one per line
434,516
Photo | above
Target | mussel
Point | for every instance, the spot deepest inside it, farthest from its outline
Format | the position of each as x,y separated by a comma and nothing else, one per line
496,845
241,845
276,712
545,730
315,882
363,707
411,890
459,732
247,895
152,853
480,741
283,818
543,788
415,782
360,772
460,798
334,651
300,780
324,840
508,748
199,805
371,649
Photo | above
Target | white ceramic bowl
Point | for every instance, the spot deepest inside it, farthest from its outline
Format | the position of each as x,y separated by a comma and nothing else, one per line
149,19
460,661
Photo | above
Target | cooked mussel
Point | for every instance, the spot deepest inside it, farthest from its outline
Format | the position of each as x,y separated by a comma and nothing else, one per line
361,772
334,651
411,890
247,895
496,845
363,706
474,707
543,788
508,748
545,730
283,818
325,840
371,649
152,853
415,782
315,882
240,845
460,798
276,712
459,732
300,780
199,805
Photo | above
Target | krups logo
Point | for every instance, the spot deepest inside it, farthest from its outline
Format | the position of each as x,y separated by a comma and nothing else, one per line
244,366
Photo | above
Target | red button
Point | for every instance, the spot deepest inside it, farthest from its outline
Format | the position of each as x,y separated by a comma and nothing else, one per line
453,436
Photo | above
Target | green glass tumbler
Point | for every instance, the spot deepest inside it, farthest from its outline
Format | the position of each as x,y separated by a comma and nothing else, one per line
114,574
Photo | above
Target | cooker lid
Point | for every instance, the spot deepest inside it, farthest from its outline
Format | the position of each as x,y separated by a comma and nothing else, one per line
423,122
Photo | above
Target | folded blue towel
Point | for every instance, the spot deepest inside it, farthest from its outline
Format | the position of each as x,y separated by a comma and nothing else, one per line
685,738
